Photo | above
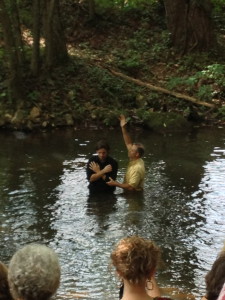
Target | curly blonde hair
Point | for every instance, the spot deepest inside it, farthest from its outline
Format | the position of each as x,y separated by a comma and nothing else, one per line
34,273
135,258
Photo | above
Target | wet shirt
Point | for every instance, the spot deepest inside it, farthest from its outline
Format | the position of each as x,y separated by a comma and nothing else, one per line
100,186
135,174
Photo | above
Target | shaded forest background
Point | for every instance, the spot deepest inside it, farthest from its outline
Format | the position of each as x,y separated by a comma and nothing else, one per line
82,63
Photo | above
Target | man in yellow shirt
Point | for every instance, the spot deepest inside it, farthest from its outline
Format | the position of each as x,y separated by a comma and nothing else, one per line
134,177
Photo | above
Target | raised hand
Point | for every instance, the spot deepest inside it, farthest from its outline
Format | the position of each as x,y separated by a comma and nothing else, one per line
123,121
94,167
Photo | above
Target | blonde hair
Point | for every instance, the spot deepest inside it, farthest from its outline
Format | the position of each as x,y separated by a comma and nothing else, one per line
135,258
34,273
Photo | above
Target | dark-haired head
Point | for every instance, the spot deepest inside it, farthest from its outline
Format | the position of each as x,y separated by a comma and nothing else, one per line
102,144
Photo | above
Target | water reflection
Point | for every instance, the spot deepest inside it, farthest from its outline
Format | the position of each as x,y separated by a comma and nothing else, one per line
101,206
44,197
211,196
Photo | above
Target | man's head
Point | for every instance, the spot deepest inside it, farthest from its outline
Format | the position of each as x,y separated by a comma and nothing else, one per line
102,149
136,151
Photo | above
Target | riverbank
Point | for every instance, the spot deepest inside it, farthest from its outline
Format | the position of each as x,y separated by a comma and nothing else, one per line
122,62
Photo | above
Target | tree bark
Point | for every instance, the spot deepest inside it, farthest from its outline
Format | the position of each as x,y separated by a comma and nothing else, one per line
91,9
35,60
56,51
15,21
15,68
190,25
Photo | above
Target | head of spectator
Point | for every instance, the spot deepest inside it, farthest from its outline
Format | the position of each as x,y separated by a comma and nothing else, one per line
34,273
215,278
4,287
135,260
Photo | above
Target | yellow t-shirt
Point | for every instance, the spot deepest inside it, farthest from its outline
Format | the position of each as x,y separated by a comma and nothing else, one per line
135,174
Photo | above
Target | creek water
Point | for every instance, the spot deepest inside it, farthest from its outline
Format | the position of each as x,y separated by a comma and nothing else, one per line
44,198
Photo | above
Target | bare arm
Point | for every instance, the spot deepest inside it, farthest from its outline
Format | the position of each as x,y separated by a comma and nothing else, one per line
126,136
98,173
124,186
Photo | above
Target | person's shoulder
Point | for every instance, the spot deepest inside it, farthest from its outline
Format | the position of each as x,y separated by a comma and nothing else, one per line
141,161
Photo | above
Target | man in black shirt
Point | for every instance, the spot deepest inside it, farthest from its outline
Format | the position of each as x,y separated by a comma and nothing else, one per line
99,168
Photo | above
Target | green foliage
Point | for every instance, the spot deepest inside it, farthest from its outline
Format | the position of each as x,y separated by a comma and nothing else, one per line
160,45
215,73
218,5
3,95
138,41
205,92
131,62
162,121
33,96
210,79
221,113
123,3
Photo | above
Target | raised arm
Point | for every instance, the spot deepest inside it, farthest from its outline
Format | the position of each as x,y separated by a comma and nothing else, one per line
126,136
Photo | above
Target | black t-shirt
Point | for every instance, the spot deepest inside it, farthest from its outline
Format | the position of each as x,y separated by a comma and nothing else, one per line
156,298
100,186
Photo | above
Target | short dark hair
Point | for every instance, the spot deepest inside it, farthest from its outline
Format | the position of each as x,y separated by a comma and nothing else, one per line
140,149
102,144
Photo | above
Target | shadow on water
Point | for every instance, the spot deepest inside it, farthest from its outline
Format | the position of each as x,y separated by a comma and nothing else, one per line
101,206
44,198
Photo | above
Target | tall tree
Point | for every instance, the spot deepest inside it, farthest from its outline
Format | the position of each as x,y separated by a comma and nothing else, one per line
56,51
55,43
190,24
13,50
35,60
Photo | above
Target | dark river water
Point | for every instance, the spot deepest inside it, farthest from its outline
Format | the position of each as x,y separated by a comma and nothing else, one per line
44,198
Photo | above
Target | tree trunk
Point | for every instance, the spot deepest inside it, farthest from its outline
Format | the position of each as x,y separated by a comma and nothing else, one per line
15,21
35,60
56,51
91,9
190,25
12,58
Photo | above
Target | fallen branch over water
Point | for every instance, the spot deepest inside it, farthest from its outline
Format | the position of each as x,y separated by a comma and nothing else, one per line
162,90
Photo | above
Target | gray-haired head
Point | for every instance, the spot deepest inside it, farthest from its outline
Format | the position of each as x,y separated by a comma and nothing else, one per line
34,273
